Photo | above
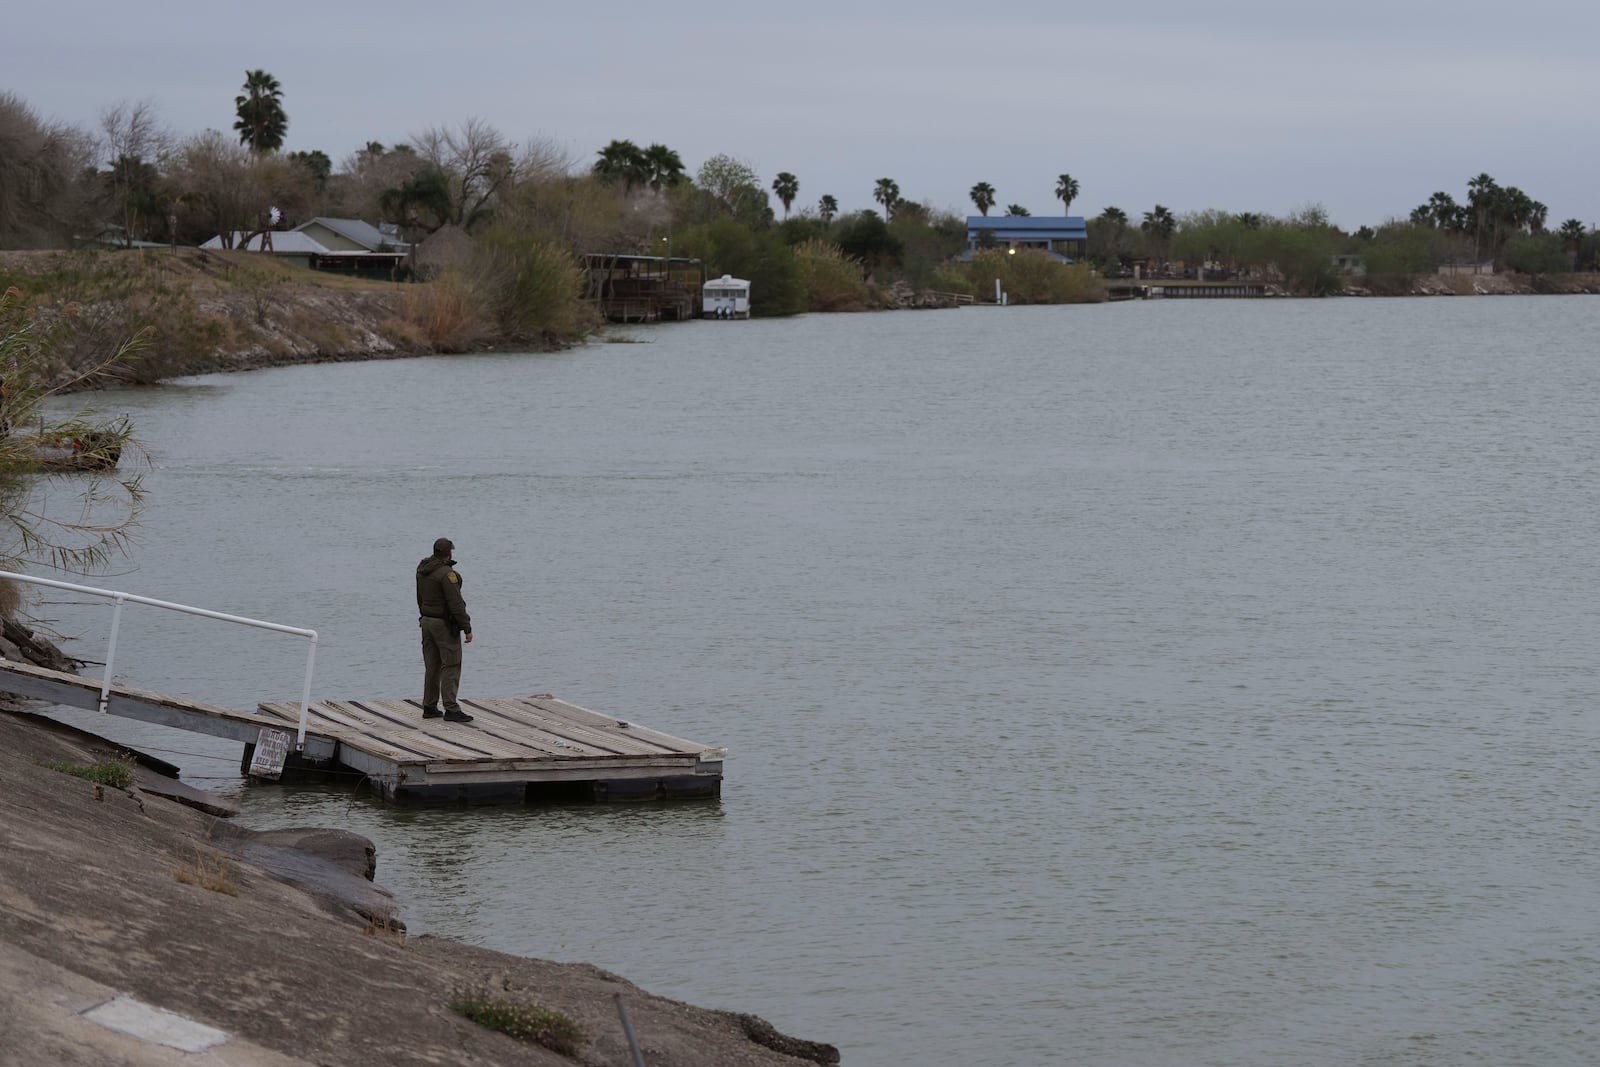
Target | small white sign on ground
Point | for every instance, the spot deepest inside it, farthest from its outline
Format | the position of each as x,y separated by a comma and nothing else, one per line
128,1016
272,748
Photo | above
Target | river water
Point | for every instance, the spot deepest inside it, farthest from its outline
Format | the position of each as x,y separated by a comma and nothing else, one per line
1184,683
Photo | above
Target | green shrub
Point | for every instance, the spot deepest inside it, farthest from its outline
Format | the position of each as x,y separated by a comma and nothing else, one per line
531,289
518,1019
116,773
832,280
1027,276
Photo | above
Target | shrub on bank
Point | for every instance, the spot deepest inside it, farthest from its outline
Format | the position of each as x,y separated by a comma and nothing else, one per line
1027,276
530,289
832,280
519,1019
444,315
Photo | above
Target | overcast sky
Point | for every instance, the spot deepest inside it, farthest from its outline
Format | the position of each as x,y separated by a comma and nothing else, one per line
1365,107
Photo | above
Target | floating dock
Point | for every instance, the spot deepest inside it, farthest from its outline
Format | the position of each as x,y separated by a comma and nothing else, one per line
515,749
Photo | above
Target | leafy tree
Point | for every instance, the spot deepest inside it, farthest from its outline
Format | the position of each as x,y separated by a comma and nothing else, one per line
1017,211
262,124
923,242
887,193
420,202
982,197
1066,192
735,188
865,238
1397,253
89,536
827,207
787,186
1299,250
727,247
1108,243
1209,236
1537,253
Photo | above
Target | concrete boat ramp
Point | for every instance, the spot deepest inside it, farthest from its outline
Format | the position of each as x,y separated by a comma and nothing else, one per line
516,748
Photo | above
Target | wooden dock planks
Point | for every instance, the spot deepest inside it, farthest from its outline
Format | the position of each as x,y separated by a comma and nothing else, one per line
513,744
511,740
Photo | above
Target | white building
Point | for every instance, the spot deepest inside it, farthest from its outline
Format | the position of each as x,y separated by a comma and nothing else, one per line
726,297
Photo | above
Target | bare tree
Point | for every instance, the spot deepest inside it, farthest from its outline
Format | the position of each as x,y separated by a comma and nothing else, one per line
214,181
132,141
357,189
478,162
43,197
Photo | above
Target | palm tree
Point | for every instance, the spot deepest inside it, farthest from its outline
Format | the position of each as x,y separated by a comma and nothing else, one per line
827,207
982,197
1481,193
1441,208
1250,220
787,186
262,124
887,193
1115,215
1017,211
1066,192
1537,214
1159,223
661,166
1572,234
622,161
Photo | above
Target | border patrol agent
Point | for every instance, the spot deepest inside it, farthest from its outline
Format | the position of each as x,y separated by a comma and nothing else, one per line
444,621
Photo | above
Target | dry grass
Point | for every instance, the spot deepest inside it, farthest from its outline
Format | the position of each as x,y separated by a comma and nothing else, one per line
445,314
209,871
384,921
11,598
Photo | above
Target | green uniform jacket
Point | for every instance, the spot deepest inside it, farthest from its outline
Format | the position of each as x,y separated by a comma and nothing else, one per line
439,593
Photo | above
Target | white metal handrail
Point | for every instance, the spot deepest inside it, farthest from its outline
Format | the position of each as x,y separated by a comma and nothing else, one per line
116,619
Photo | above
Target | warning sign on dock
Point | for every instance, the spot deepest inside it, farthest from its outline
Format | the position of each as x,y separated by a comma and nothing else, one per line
272,748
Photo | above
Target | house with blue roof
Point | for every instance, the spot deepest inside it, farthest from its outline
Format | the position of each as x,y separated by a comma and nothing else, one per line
1064,238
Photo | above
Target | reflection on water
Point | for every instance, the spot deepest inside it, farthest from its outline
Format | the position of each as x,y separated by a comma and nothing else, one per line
1164,683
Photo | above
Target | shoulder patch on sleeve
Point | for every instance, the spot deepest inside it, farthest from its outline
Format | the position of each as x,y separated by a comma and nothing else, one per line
453,578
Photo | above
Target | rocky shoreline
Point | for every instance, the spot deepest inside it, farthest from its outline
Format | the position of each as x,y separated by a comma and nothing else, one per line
123,903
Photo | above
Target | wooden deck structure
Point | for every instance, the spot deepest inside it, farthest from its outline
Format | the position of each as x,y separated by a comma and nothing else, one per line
643,288
517,748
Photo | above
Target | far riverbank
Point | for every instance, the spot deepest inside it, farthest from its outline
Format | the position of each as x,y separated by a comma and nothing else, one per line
210,311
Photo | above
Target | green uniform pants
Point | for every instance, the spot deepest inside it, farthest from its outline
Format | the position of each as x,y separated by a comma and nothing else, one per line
441,663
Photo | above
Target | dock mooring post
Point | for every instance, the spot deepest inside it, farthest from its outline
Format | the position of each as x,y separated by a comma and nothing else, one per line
111,652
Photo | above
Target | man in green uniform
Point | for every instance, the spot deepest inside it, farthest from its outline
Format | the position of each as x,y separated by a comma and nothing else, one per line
445,622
